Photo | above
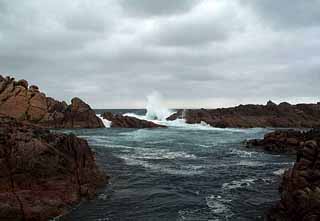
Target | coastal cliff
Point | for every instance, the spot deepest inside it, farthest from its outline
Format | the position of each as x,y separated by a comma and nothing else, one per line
283,115
43,173
28,104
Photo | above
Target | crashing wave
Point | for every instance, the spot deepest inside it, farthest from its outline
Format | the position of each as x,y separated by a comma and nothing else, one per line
156,110
106,123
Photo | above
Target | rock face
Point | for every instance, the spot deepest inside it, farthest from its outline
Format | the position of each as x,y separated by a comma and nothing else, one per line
280,141
284,141
128,122
247,116
28,104
43,173
300,187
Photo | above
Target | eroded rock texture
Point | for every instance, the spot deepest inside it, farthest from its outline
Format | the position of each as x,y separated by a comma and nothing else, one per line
26,103
43,173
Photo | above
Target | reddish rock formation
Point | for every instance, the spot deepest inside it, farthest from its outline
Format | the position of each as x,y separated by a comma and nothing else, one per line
30,105
43,173
248,116
283,141
118,120
300,187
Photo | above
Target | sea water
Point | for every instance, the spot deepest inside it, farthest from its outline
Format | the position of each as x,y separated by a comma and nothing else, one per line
183,172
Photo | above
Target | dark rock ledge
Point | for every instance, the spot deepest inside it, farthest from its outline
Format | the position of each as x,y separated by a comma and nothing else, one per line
284,141
283,115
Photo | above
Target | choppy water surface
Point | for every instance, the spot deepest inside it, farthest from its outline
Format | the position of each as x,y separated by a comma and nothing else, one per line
184,172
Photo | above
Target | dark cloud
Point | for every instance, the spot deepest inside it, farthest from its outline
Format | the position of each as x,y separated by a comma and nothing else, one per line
287,13
198,53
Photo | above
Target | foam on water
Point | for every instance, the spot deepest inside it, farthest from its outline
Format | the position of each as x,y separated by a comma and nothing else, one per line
106,123
158,168
243,153
217,204
280,172
158,154
250,163
238,184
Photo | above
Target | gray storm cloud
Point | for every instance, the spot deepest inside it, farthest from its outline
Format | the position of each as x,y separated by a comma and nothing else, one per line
196,53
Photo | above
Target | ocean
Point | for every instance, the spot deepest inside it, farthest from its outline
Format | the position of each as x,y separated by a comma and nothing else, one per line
183,172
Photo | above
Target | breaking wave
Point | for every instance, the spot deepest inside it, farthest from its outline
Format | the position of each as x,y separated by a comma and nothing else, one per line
106,123
156,110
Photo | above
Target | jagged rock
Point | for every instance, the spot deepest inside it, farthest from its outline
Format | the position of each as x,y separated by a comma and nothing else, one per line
22,83
43,173
300,187
118,120
34,88
283,115
30,105
270,103
79,115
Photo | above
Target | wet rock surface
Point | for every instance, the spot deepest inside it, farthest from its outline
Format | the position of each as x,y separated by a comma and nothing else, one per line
120,121
300,186
283,115
43,173
28,104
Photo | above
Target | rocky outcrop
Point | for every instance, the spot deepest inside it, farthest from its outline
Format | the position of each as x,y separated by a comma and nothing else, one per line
43,173
28,104
121,121
283,141
283,115
300,187
280,141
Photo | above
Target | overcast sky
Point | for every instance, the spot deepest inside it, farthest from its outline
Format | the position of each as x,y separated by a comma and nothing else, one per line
196,53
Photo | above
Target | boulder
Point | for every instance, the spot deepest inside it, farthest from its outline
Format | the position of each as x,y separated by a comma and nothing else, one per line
22,83
271,103
42,173
121,121
80,115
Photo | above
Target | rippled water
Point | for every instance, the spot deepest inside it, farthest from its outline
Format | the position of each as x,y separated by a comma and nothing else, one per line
181,173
